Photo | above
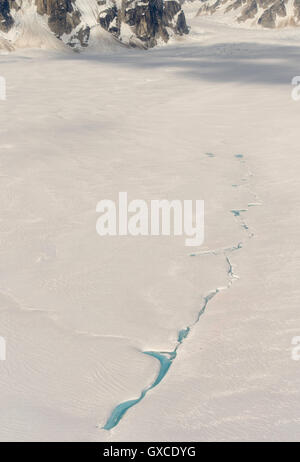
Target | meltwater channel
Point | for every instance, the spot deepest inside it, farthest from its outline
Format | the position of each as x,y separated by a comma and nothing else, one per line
166,359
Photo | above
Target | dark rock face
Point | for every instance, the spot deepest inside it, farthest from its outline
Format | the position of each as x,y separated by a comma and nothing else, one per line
106,18
63,19
62,16
134,22
249,11
148,20
268,18
209,7
297,9
6,20
273,10
235,5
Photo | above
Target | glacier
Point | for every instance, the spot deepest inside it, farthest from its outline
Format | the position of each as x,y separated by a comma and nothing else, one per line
207,116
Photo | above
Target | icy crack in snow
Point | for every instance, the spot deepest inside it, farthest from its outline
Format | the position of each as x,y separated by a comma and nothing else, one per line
166,358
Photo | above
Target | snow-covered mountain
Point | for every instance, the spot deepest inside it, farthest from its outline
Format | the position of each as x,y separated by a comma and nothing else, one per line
266,13
143,23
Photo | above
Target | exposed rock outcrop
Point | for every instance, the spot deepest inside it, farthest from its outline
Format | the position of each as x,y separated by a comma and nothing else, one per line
144,21
133,22
268,18
64,18
266,13
6,19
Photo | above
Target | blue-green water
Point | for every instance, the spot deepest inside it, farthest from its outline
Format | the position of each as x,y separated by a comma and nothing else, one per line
165,360
119,411
183,334
237,213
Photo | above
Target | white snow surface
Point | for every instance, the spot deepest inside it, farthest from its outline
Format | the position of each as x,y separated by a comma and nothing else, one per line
77,310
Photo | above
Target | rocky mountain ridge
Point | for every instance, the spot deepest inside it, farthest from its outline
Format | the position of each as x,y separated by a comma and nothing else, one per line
143,23
266,13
